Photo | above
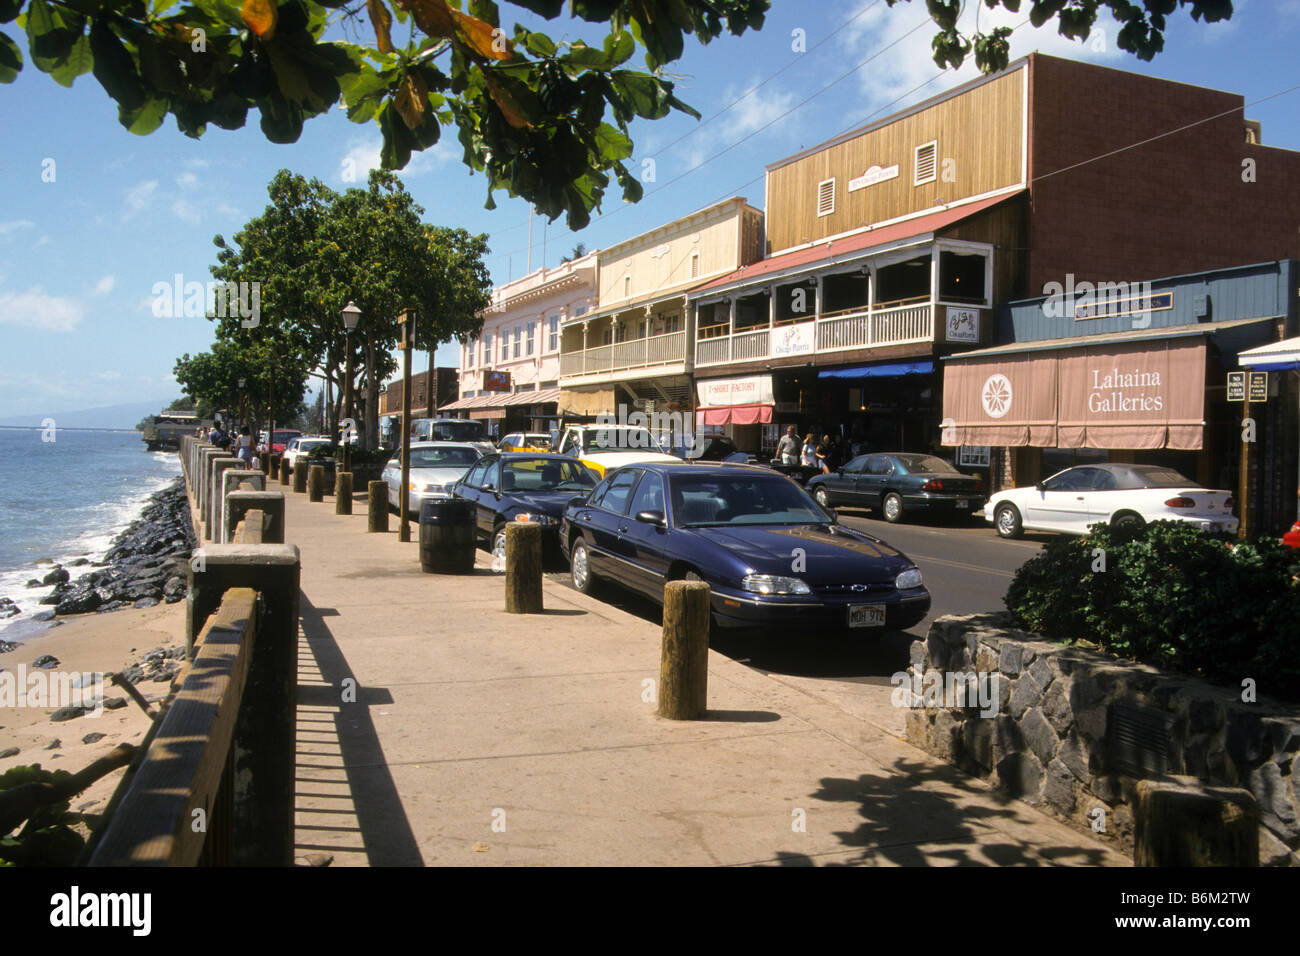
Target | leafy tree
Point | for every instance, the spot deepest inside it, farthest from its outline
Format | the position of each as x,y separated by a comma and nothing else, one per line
578,252
545,120
238,376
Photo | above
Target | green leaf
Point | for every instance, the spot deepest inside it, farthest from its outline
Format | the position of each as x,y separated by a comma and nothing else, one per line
612,144
115,69
9,9
51,34
11,59
78,63
540,44
144,119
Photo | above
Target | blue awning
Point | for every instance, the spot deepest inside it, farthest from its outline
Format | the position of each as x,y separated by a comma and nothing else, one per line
879,371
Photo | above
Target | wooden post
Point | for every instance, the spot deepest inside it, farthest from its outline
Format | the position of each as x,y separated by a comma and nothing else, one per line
264,461
684,660
1186,823
407,320
1243,475
300,476
378,504
284,472
316,483
273,465
343,493
523,568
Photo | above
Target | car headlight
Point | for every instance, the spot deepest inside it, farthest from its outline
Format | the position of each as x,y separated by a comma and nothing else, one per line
529,517
773,584
911,578
426,487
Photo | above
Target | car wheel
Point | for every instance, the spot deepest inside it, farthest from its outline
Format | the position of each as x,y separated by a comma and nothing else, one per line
580,566
892,507
1128,520
499,543
822,497
1007,520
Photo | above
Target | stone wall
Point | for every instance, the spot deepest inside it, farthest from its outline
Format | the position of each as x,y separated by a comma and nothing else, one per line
1073,731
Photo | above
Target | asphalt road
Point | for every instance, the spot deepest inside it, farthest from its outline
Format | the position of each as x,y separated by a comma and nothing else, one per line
966,567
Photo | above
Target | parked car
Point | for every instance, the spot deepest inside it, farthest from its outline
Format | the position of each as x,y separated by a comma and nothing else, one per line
523,487
281,437
602,447
900,483
525,441
1073,499
435,466
769,553
1292,538
302,446
466,430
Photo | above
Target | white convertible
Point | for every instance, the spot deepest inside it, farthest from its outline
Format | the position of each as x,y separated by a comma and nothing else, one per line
1073,499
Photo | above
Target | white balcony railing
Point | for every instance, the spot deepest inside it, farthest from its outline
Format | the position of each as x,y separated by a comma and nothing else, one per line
894,326
667,349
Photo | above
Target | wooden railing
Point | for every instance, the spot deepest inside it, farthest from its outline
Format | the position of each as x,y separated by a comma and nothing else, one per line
666,349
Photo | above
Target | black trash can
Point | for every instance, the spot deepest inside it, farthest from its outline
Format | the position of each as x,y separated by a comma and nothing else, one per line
447,540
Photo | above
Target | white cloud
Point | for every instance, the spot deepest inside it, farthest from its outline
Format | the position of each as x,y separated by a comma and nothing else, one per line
187,211
105,285
43,241
186,180
749,115
139,197
363,155
13,225
108,375
36,310
196,163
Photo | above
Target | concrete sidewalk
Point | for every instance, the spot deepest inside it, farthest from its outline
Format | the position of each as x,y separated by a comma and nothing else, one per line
474,737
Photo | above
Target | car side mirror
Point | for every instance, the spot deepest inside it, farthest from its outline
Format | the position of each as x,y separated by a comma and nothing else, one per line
655,518
577,500
1040,486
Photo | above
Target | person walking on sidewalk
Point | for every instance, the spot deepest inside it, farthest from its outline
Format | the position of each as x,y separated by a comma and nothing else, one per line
788,448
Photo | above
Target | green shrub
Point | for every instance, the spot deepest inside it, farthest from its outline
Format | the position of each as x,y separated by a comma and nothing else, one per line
1173,596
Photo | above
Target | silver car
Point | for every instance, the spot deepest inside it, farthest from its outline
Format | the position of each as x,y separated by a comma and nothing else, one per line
435,466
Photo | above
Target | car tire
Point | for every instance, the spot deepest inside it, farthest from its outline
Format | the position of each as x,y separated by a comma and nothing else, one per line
584,580
891,506
822,496
1007,520
498,542
1128,519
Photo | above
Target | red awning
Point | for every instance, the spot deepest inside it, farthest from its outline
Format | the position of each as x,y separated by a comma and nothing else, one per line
738,415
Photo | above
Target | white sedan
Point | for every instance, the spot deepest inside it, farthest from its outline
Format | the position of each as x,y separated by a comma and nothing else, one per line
1073,499
435,466
301,447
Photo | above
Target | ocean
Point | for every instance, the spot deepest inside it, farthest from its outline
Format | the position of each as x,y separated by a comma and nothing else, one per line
66,499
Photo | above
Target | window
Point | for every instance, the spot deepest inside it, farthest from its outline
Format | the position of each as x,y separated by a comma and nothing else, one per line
695,264
475,477
649,495
487,348
531,327
491,477
619,490
516,340
627,287
553,334
925,163
826,197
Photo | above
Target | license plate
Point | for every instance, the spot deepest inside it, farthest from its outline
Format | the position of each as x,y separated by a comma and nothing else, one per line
963,505
866,615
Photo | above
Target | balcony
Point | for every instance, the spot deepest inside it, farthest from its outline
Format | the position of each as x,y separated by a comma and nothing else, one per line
650,352
898,324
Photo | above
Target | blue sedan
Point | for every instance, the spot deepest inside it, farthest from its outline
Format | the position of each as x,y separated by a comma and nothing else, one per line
770,554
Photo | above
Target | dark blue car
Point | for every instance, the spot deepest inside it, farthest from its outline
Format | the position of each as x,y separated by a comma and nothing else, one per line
768,551
523,486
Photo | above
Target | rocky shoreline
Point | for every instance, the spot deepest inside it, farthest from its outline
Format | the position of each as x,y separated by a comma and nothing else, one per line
146,563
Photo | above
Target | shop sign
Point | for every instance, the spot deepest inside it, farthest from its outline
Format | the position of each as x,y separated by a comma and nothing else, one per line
725,392
496,381
876,174
963,325
793,340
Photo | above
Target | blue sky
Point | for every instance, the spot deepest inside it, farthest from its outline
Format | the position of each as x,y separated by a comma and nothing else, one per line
79,256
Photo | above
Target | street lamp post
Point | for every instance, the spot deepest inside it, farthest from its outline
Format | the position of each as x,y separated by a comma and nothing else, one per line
407,323
350,316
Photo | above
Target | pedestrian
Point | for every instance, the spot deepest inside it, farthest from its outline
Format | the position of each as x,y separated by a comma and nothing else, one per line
788,448
244,446
824,453
809,451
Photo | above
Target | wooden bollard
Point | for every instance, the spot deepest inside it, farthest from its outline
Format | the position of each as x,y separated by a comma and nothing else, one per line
316,483
1184,822
284,471
378,515
343,493
273,465
684,659
523,568
300,477
264,462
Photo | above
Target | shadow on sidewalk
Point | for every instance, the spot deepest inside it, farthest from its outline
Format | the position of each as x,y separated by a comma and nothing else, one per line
920,805
326,721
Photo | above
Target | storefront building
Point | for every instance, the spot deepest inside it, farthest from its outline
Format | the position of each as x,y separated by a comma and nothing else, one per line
1136,374
510,374
634,352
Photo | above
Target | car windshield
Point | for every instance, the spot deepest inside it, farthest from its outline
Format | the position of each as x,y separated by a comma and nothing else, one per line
458,431
546,474
923,465
541,441
701,501
622,438
443,457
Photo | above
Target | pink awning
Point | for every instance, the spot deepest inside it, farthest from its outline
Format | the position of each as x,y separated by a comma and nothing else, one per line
738,415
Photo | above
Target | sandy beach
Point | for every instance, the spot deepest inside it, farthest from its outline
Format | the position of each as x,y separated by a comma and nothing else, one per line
105,642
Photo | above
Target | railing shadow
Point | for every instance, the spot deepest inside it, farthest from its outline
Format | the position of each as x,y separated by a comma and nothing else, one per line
335,711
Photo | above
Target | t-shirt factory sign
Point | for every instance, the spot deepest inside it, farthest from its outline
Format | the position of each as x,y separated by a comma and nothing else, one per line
1117,396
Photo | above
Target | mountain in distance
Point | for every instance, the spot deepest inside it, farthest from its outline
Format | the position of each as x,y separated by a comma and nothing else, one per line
107,416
